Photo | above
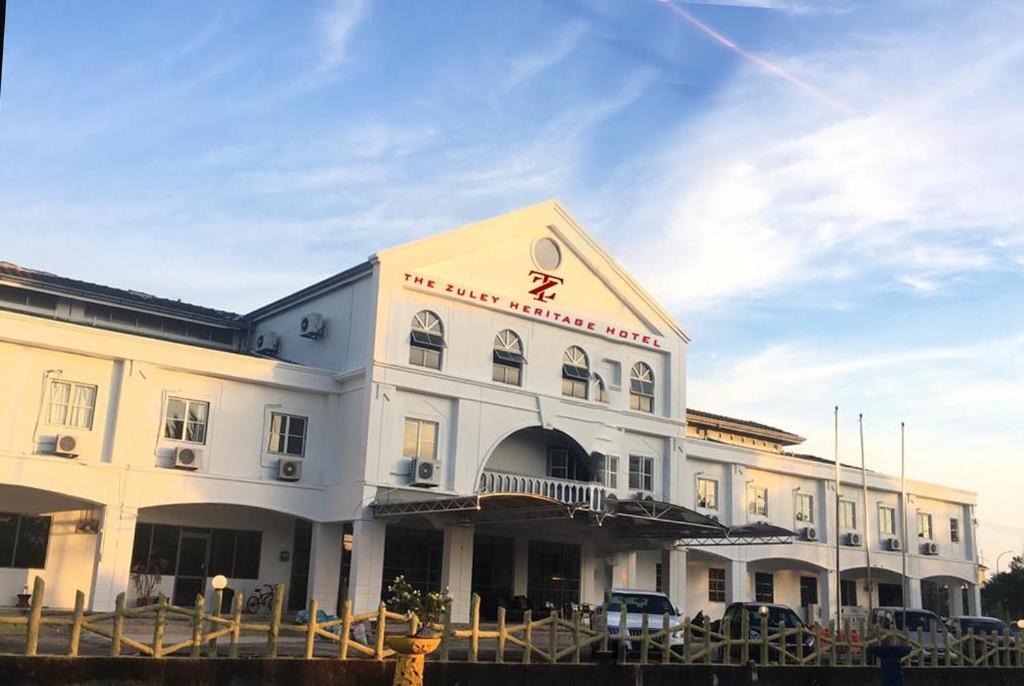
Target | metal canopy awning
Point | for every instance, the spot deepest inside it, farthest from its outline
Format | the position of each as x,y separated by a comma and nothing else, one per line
623,520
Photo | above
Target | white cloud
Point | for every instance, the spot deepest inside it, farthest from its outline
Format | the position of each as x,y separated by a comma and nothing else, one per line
768,189
538,59
335,26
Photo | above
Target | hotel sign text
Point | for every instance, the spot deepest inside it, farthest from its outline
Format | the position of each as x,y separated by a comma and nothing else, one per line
527,308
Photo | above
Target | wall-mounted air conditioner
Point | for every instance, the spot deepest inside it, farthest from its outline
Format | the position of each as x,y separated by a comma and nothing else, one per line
313,325
66,445
894,544
289,470
425,473
188,458
266,342
810,533
853,539
930,548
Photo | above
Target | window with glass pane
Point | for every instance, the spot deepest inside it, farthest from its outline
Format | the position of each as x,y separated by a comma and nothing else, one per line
804,507
420,439
808,590
924,525
887,520
71,404
848,592
954,530
507,363
600,390
757,501
716,585
287,434
641,388
23,540
641,473
707,493
764,587
186,420
426,340
847,514
609,465
575,372
558,463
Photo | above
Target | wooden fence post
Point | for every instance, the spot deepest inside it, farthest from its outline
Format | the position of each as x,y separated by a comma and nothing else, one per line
199,615
744,635
499,656
764,640
159,626
382,623
274,634
118,629
576,637
76,624
782,642
527,636
35,617
311,627
218,601
666,649
346,630
236,624
553,636
474,627
644,638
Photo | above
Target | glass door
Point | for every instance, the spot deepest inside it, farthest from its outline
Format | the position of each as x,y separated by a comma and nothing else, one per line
492,573
193,555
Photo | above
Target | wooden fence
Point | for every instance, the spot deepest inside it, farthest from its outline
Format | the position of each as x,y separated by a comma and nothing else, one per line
659,640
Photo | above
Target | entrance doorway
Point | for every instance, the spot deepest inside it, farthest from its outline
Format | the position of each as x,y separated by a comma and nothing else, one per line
193,554
493,564
553,574
302,545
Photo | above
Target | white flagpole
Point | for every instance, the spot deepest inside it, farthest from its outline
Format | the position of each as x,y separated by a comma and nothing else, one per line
903,514
864,514
839,586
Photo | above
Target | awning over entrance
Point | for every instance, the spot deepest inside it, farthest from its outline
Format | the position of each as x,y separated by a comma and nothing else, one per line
622,520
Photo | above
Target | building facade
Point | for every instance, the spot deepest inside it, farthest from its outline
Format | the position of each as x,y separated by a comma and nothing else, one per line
500,409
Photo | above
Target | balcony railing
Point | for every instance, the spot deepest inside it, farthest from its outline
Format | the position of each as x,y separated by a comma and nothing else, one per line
564,490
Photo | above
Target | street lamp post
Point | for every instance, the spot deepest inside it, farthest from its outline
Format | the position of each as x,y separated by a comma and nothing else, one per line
1000,557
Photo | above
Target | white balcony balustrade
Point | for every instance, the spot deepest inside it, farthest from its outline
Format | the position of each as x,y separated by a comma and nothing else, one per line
567,491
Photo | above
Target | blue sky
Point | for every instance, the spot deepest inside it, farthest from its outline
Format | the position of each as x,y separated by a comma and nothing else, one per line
834,214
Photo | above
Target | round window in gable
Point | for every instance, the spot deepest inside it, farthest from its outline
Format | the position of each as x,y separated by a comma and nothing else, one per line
546,254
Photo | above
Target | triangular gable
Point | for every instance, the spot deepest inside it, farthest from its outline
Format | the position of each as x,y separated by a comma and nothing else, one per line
493,264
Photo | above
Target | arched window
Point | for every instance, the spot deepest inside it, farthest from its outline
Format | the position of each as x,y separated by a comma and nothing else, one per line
426,341
600,390
507,366
641,388
575,372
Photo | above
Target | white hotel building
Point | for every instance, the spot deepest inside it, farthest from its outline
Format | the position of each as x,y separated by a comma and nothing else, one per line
499,409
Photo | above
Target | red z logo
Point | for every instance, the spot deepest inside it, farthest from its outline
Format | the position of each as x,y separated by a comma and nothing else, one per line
545,283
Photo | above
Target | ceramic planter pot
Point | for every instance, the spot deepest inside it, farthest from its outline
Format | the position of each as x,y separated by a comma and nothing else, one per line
414,645
411,650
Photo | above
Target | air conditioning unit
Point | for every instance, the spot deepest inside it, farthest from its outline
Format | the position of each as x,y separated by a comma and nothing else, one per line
810,533
425,473
894,544
853,539
266,342
643,496
930,548
188,458
66,446
313,325
289,470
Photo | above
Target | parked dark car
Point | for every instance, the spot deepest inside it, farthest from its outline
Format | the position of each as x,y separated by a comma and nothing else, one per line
995,631
732,625
914,621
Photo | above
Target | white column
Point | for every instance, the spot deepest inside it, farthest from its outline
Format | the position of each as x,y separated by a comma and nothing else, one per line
325,565
736,582
624,570
827,596
673,571
112,573
367,571
956,599
521,562
457,569
973,599
914,593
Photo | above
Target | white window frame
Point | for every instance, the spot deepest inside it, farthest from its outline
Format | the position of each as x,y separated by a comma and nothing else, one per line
644,475
886,516
847,507
189,402
610,471
572,357
71,409
600,389
753,490
798,509
426,322
286,434
928,533
419,439
641,375
510,343
701,480
562,453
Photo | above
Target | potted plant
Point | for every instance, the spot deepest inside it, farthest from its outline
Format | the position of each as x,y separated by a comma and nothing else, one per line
145,577
428,608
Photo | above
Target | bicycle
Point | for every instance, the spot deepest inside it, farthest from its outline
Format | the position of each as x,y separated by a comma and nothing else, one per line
260,597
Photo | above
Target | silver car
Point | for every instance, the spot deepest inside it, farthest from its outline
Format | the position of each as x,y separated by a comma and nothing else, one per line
637,603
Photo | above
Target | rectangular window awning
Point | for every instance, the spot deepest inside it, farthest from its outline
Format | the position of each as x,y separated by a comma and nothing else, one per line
623,520
427,340
577,373
508,357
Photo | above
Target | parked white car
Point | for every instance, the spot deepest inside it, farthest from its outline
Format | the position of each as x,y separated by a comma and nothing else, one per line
637,603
